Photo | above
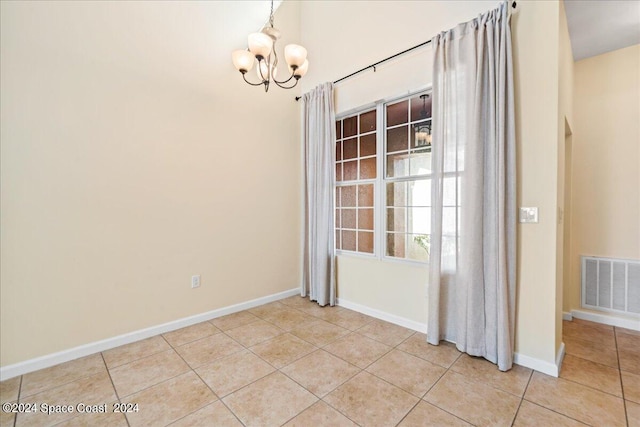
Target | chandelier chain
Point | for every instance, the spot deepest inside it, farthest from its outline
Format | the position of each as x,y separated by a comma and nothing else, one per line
271,15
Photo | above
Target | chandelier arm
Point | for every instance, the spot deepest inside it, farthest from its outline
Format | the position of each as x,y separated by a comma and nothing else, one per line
285,81
252,84
286,87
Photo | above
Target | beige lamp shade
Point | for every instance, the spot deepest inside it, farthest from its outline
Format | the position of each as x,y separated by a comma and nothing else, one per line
243,60
260,44
302,70
295,55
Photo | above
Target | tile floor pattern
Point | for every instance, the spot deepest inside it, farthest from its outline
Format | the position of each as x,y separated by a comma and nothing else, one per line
294,363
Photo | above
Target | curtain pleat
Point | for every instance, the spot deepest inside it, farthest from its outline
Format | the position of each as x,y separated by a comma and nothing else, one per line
319,154
472,265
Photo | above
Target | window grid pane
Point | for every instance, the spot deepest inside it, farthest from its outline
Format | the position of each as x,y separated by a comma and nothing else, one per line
356,171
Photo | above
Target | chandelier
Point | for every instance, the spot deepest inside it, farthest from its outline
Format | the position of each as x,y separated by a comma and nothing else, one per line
262,48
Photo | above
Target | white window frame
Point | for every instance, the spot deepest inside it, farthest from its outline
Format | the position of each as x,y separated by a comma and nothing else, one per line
381,180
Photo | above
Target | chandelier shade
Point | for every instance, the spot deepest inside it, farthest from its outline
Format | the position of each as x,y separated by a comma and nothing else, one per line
262,49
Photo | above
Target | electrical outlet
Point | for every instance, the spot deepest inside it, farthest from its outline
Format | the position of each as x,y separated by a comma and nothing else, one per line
195,281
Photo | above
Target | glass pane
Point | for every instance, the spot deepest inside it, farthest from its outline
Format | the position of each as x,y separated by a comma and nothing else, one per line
348,196
396,219
337,219
398,165
449,221
348,218
338,171
365,242
449,191
348,240
419,193
368,121
338,246
337,197
338,150
396,244
420,107
397,194
350,148
397,113
421,135
350,170
418,220
397,139
365,195
350,127
420,164
418,247
365,219
368,145
338,129
368,168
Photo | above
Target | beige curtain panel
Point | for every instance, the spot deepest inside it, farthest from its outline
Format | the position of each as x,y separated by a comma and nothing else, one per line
473,246
319,153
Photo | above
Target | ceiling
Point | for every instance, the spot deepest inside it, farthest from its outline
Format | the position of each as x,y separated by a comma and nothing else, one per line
600,26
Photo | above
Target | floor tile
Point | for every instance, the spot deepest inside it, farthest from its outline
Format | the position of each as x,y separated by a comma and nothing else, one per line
206,350
594,375
234,320
169,401
629,361
320,333
481,370
444,354
108,418
215,414
267,309
631,386
357,349
283,349
588,332
314,309
58,375
628,342
233,372
320,414
532,415
370,401
633,414
311,372
7,419
134,351
93,390
575,400
190,333
143,373
385,332
410,373
595,352
271,401
289,319
625,331
348,319
296,301
426,414
9,389
254,333
474,402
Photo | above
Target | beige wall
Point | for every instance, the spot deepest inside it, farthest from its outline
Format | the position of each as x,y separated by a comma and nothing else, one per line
605,201
133,156
384,28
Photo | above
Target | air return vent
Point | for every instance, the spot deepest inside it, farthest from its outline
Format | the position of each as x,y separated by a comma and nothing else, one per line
611,285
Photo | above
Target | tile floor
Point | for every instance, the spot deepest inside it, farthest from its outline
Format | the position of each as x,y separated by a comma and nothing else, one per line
294,363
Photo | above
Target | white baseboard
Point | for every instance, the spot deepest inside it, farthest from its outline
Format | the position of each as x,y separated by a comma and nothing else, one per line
391,318
607,319
48,360
540,365
567,316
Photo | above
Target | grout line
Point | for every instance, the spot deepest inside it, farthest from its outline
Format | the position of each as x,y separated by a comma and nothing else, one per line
115,390
555,411
15,418
624,401
515,416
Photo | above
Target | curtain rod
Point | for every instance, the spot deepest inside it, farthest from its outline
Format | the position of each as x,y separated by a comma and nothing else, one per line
513,5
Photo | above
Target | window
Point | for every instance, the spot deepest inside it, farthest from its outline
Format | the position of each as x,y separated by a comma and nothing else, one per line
356,173
403,140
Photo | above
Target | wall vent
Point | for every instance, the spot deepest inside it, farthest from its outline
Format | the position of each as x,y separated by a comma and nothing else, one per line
611,285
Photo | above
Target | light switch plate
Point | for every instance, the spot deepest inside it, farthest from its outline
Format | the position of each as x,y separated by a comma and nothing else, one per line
529,214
